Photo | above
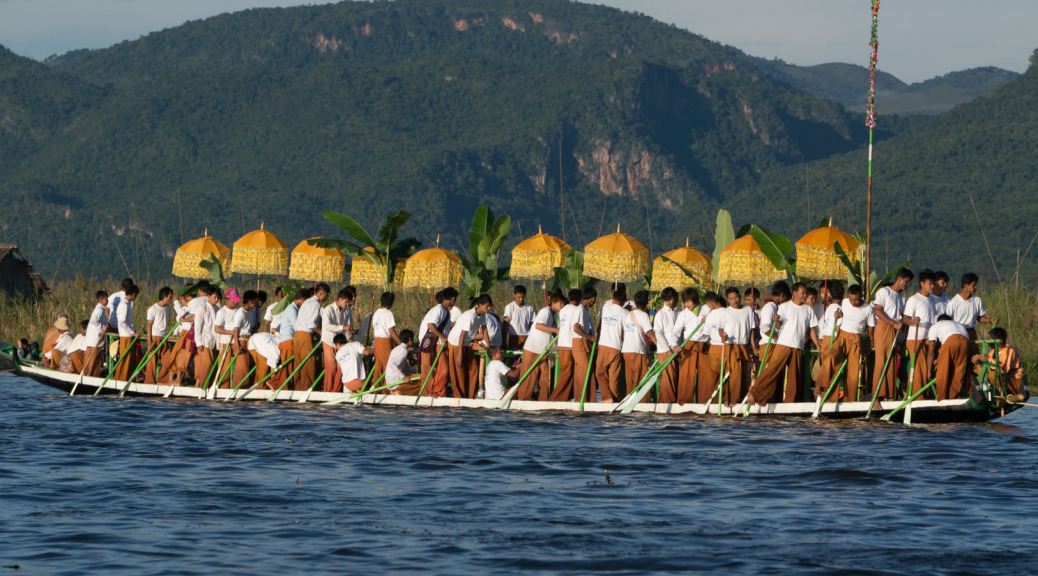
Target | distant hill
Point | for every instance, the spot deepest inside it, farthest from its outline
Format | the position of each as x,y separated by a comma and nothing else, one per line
847,84
276,115
922,182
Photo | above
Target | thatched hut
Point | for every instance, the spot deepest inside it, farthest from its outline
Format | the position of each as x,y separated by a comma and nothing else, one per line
17,277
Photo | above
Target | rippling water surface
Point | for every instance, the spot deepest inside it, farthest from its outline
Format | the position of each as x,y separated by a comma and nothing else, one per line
136,486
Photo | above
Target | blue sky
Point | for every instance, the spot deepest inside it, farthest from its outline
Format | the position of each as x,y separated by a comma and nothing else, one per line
919,39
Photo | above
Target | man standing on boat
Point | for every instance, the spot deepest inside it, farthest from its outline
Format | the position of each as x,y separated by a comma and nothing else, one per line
967,308
127,334
888,306
795,322
308,330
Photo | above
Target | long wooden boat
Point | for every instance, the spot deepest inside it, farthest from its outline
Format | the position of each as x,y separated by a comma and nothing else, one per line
921,412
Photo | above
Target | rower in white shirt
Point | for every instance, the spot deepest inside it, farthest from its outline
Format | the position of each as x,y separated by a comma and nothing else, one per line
919,315
337,318
889,305
667,345
519,317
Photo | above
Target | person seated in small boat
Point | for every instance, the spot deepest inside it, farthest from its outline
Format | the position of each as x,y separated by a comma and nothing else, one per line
950,361
499,375
59,329
77,350
1009,362
350,357
59,337
400,375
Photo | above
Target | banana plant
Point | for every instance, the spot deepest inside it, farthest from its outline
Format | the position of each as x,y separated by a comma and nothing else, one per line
571,275
854,273
487,235
385,251
776,247
724,235
289,288
215,269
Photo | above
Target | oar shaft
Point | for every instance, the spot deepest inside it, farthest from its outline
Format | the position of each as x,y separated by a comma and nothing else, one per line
909,400
587,376
298,368
883,373
657,368
111,371
514,389
149,355
430,373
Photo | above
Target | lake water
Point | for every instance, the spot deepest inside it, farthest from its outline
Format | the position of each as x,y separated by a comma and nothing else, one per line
136,486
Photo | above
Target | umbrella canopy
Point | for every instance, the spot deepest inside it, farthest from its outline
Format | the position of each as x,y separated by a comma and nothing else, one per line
316,264
538,256
669,269
185,263
260,252
432,268
363,272
816,253
742,262
616,258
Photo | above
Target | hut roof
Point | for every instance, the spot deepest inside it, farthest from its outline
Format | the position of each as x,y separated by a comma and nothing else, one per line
17,276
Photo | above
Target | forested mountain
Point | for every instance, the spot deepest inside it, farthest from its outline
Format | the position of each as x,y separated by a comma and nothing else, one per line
276,115
922,185
843,83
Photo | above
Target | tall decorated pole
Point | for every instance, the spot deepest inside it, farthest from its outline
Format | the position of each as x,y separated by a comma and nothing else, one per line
870,121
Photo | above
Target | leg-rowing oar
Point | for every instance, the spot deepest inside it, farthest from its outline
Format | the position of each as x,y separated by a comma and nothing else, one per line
111,371
290,376
514,389
234,391
360,394
147,358
908,401
743,406
308,391
375,388
635,396
221,372
717,391
882,375
823,398
432,371
587,377
720,384
345,396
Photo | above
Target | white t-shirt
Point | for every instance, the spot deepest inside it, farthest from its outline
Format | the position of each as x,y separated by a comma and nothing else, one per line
663,326
612,331
796,321
520,318
493,324
496,380
569,317
381,321
829,321
538,340
941,331
205,318
266,344
856,318
274,319
159,318
435,316
97,322
350,359
892,303
224,319
940,304
124,318
470,323
455,314
966,312
689,320
78,344
585,323
919,306
766,320
715,320
397,368
242,320
63,344
113,307
636,325
739,325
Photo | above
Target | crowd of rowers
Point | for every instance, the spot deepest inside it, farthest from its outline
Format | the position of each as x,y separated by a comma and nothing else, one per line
756,351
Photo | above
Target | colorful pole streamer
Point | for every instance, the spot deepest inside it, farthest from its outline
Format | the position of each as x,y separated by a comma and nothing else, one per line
870,121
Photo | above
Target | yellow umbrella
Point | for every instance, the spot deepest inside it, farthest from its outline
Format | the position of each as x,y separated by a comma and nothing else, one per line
188,256
432,268
669,273
742,262
816,253
616,258
537,257
260,252
363,272
316,264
